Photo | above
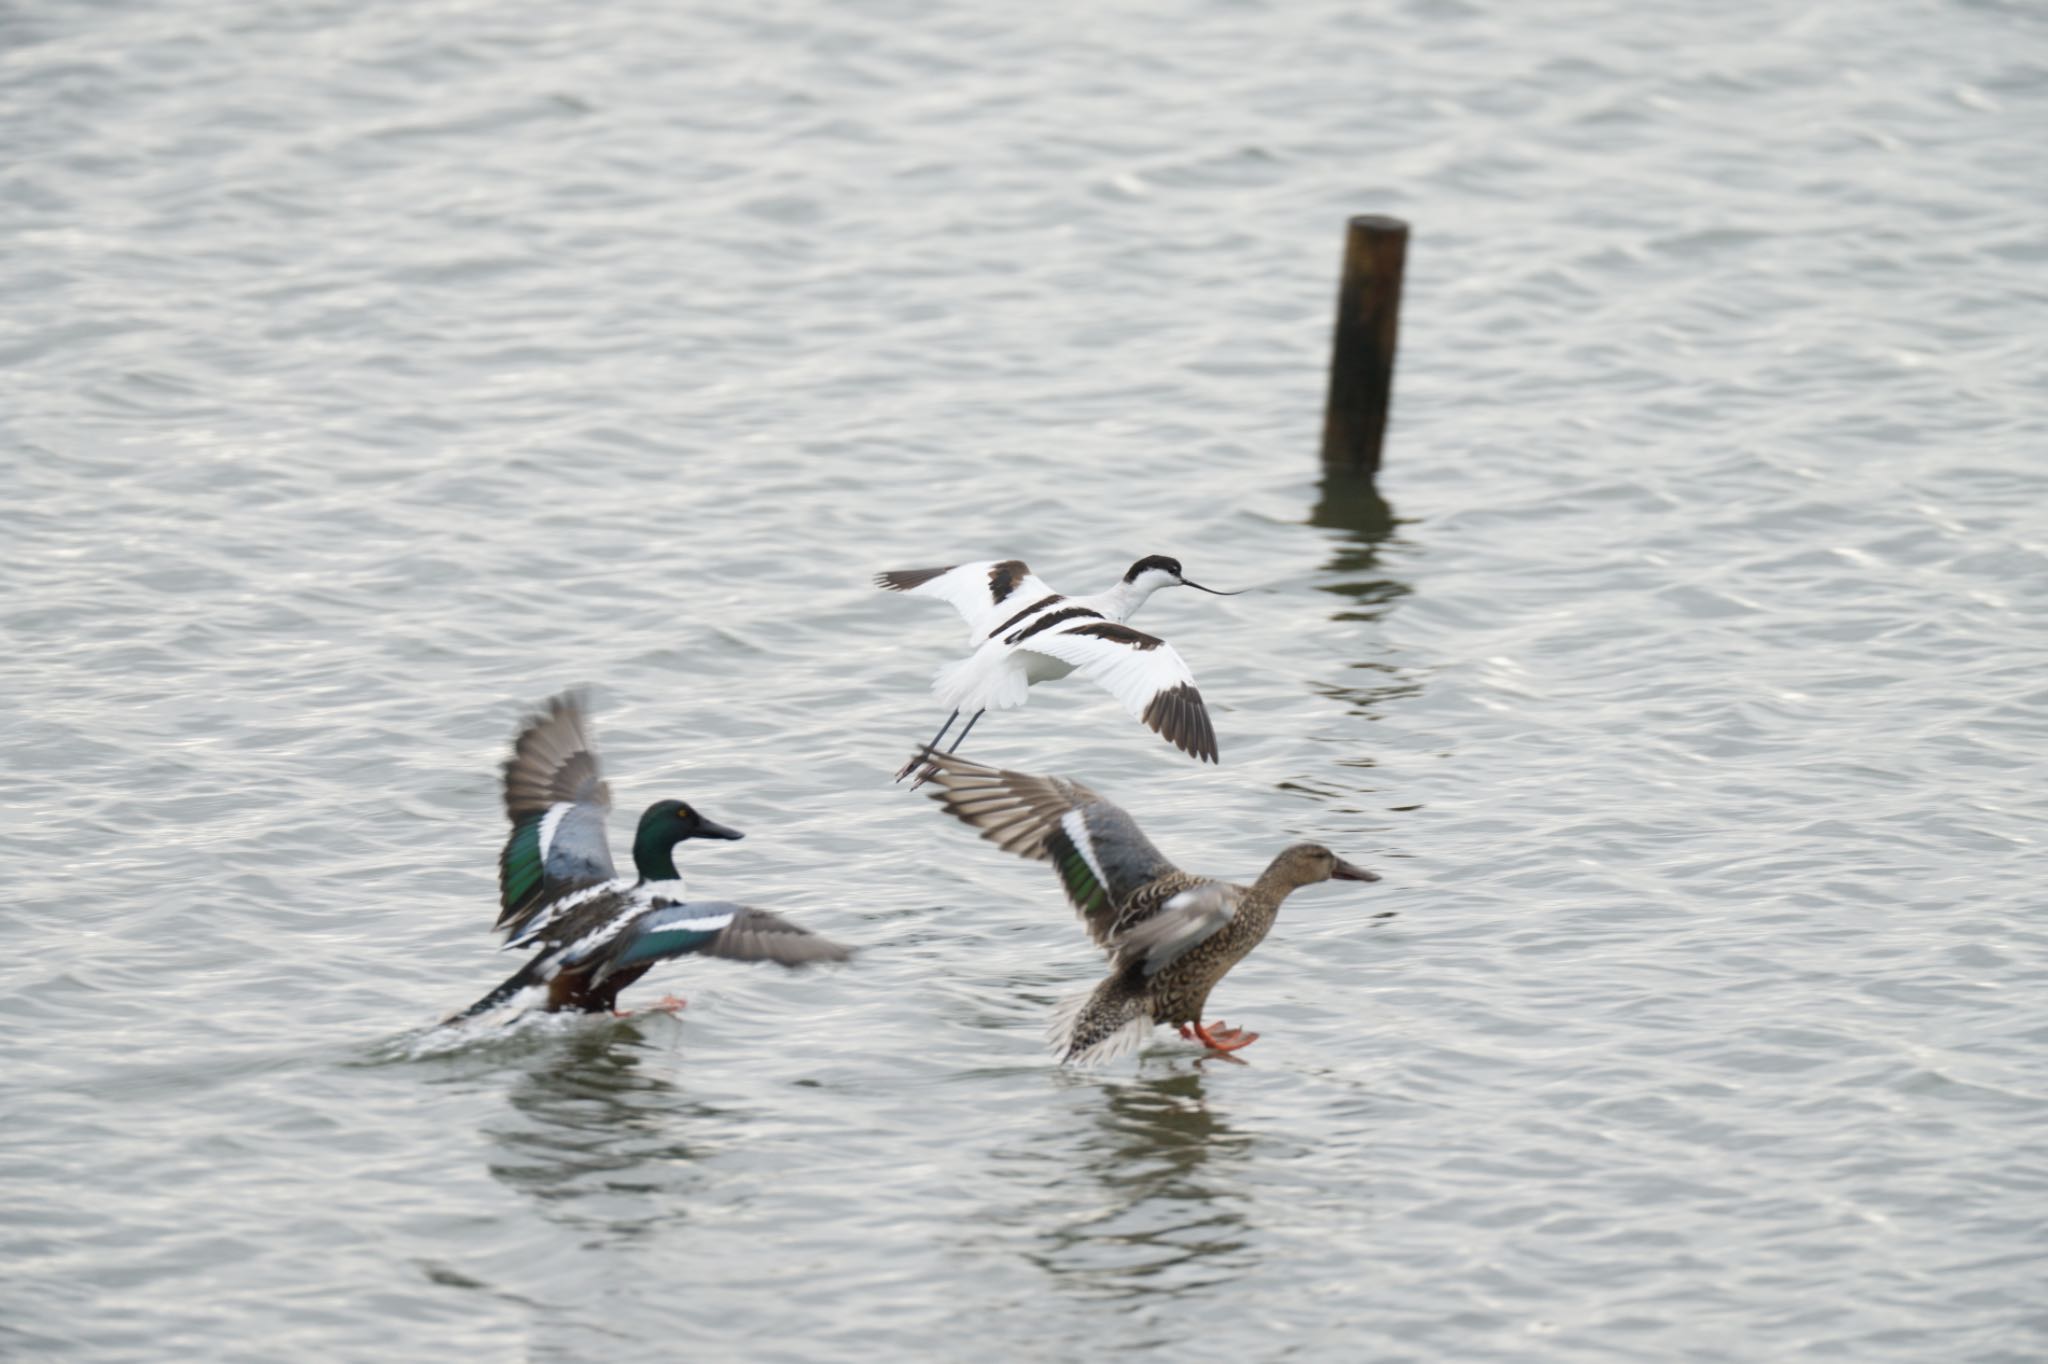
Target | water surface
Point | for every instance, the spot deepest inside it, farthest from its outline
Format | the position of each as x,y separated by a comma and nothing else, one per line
372,372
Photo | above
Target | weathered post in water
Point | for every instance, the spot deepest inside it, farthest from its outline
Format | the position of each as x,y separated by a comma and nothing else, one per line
1362,358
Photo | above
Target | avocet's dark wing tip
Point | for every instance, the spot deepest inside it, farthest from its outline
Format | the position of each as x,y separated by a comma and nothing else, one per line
1178,716
904,579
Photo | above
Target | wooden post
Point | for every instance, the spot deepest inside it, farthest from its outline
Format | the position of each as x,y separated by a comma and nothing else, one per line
1362,357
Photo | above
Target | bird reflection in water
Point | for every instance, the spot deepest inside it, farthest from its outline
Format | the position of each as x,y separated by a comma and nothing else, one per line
598,1146
1161,1224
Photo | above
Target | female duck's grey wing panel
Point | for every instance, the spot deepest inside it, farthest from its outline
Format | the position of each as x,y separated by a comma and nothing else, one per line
557,800
1104,859
1179,926
1100,853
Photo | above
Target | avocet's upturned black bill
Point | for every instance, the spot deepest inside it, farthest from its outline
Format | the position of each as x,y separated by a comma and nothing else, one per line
1021,632
1171,566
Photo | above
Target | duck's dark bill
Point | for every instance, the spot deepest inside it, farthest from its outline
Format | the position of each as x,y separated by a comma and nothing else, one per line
1188,582
1346,872
707,829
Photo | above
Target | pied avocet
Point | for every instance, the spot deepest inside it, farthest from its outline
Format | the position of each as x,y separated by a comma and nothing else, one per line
1022,632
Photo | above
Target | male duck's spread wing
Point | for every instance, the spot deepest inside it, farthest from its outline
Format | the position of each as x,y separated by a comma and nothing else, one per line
757,935
986,594
1103,858
1140,670
557,801
1183,923
714,928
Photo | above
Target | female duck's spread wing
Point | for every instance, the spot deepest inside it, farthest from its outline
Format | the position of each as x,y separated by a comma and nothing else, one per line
986,594
557,801
1140,670
1103,858
719,928
1179,926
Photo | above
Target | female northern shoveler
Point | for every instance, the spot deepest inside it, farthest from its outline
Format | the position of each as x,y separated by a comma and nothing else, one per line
598,931
1022,632
1170,935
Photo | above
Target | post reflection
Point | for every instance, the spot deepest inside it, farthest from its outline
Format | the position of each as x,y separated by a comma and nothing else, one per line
1165,1225
1350,505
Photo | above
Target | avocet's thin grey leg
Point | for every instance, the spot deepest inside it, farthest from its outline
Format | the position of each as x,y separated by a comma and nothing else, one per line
919,756
933,746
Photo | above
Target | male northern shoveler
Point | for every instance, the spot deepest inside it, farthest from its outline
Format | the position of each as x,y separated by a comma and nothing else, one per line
1022,632
1170,935
597,931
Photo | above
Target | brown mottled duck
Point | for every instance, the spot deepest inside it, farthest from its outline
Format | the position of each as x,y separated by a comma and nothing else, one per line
1170,934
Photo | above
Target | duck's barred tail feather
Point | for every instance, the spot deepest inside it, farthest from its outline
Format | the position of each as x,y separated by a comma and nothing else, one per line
525,978
1105,1023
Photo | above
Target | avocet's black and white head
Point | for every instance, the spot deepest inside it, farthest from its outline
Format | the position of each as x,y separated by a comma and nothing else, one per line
1155,571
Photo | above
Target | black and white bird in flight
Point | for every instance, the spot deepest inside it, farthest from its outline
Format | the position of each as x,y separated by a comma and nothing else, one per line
1022,632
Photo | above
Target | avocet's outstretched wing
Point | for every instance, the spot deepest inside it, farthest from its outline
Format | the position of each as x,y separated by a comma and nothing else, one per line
1140,670
985,594
557,801
1103,858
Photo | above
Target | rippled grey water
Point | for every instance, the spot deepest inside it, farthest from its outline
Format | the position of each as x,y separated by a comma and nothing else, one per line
372,371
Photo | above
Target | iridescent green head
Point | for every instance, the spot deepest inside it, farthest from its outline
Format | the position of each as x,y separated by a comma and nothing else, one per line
663,825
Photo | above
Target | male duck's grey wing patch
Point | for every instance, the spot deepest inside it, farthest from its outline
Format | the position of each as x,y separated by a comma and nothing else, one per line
1100,853
985,594
663,931
757,935
718,928
557,800
1183,923
1154,683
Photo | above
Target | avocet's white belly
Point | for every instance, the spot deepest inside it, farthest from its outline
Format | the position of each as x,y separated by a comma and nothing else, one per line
1043,667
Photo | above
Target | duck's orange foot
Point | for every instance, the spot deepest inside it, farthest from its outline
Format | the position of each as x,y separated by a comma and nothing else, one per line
667,1004
1225,1039
1186,1031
